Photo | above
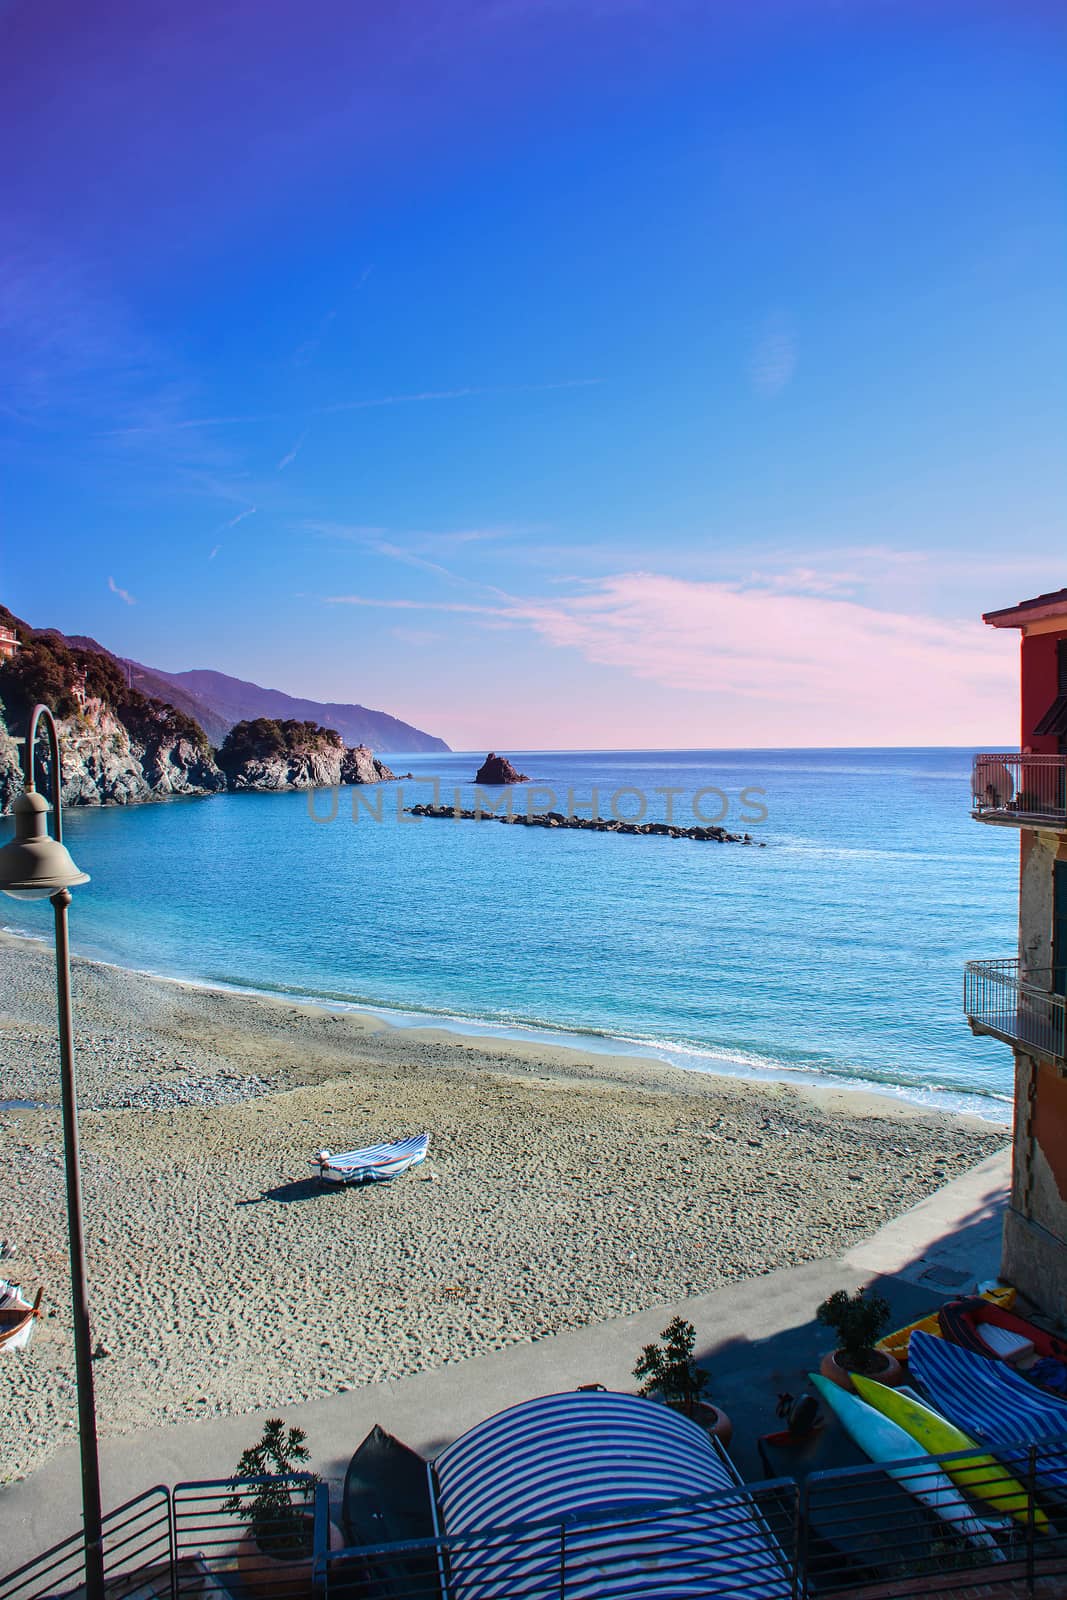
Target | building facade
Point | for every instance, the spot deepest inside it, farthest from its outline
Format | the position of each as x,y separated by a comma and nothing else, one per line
1023,999
8,642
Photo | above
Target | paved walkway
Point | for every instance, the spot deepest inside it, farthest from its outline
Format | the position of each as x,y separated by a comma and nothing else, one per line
757,1338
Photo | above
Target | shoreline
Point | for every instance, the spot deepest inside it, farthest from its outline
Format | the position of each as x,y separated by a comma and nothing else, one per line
563,1187
994,1110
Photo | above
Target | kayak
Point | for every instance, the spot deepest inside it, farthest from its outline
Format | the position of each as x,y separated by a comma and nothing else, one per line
991,1330
981,1475
886,1441
897,1343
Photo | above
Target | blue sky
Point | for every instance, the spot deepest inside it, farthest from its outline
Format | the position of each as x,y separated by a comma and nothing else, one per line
550,374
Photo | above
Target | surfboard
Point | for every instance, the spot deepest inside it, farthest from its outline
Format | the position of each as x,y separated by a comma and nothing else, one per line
886,1441
981,1474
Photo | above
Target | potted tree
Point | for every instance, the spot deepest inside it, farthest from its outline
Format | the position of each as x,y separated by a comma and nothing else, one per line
859,1320
275,1554
669,1373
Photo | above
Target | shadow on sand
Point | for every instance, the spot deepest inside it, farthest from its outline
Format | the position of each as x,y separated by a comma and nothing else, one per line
289,1193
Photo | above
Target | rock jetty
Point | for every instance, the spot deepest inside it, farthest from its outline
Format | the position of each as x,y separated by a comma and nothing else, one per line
499,770
559,819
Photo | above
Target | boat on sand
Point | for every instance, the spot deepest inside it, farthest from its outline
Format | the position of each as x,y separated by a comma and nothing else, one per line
17,1316
377,1163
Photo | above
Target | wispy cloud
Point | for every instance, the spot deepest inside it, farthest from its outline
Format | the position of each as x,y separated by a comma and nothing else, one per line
249,511
290,455
333,408
787,661
774,357
123,594
409,554
421,605
214,552
304,352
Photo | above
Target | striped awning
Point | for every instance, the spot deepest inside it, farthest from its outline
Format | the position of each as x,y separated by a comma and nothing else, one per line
985,1397
589,1495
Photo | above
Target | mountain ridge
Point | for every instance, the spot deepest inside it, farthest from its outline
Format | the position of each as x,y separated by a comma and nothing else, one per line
218,701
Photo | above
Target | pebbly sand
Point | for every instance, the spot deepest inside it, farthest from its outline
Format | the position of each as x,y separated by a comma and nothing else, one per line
562,1188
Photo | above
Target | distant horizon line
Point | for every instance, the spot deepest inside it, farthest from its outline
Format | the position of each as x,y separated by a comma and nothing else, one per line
701,749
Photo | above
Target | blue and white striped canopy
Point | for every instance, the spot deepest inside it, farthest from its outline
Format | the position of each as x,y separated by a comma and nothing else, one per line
599,1495
983,1396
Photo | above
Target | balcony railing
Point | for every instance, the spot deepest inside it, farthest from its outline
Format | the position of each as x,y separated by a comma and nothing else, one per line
1020,1006
1028,791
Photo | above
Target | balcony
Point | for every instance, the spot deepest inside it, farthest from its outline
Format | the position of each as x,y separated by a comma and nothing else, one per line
1021,791
1020,1007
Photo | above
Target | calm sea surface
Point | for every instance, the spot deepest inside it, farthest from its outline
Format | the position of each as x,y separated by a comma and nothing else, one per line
834,953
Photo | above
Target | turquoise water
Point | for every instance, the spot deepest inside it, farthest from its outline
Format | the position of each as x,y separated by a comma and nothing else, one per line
836,952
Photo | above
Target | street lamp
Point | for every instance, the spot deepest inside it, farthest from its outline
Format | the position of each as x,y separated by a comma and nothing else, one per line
36,865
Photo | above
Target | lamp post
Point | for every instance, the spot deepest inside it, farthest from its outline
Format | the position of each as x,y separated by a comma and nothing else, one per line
36,865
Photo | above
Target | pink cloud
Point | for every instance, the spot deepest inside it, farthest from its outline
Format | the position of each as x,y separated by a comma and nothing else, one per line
727,664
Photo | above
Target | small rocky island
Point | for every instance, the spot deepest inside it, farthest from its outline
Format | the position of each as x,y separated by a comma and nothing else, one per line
497,770
265,754
711,834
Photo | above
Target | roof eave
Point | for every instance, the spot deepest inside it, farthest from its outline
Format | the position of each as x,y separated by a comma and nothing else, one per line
1039,610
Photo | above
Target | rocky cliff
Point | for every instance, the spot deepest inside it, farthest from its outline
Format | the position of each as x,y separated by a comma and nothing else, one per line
265,754
105,764
121,747
118,745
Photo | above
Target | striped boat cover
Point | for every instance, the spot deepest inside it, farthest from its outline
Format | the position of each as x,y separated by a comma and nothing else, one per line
985,1397
602,1495
408,1151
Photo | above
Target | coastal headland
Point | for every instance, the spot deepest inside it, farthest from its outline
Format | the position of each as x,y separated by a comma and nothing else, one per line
563,1187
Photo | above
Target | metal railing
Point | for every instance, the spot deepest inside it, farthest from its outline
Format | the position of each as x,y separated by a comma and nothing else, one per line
1024,1006
1026,790
967,1523
137,1540
736,1541
169,1544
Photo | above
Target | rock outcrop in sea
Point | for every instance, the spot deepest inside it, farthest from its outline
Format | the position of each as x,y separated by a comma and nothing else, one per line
498,770
268,755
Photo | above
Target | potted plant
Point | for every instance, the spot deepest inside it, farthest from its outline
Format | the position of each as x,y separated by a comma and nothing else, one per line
275,1554
669,1373
859,1320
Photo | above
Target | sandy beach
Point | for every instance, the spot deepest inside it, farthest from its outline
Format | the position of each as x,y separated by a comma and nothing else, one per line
562,1188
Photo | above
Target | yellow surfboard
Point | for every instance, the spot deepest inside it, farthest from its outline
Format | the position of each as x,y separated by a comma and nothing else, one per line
981,1474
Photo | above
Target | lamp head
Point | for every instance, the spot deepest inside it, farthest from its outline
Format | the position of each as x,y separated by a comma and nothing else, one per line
33,866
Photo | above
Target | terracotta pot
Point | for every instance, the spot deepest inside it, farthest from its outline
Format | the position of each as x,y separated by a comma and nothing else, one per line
716,1422
889,1371
278,1577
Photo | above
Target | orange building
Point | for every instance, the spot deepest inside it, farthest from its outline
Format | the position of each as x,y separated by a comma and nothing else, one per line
8,642
1023,1000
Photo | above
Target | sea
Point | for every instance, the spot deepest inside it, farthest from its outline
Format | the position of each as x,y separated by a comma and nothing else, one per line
833,955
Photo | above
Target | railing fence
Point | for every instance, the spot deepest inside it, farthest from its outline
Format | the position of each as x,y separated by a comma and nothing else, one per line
1024,1006
900,1531
1016,788
138,1542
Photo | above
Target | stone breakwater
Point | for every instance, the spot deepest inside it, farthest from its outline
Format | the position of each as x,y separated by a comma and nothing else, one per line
710,834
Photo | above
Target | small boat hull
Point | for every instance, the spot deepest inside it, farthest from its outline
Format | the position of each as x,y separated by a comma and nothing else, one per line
964,1322
18,1318
375,1164
897,1343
